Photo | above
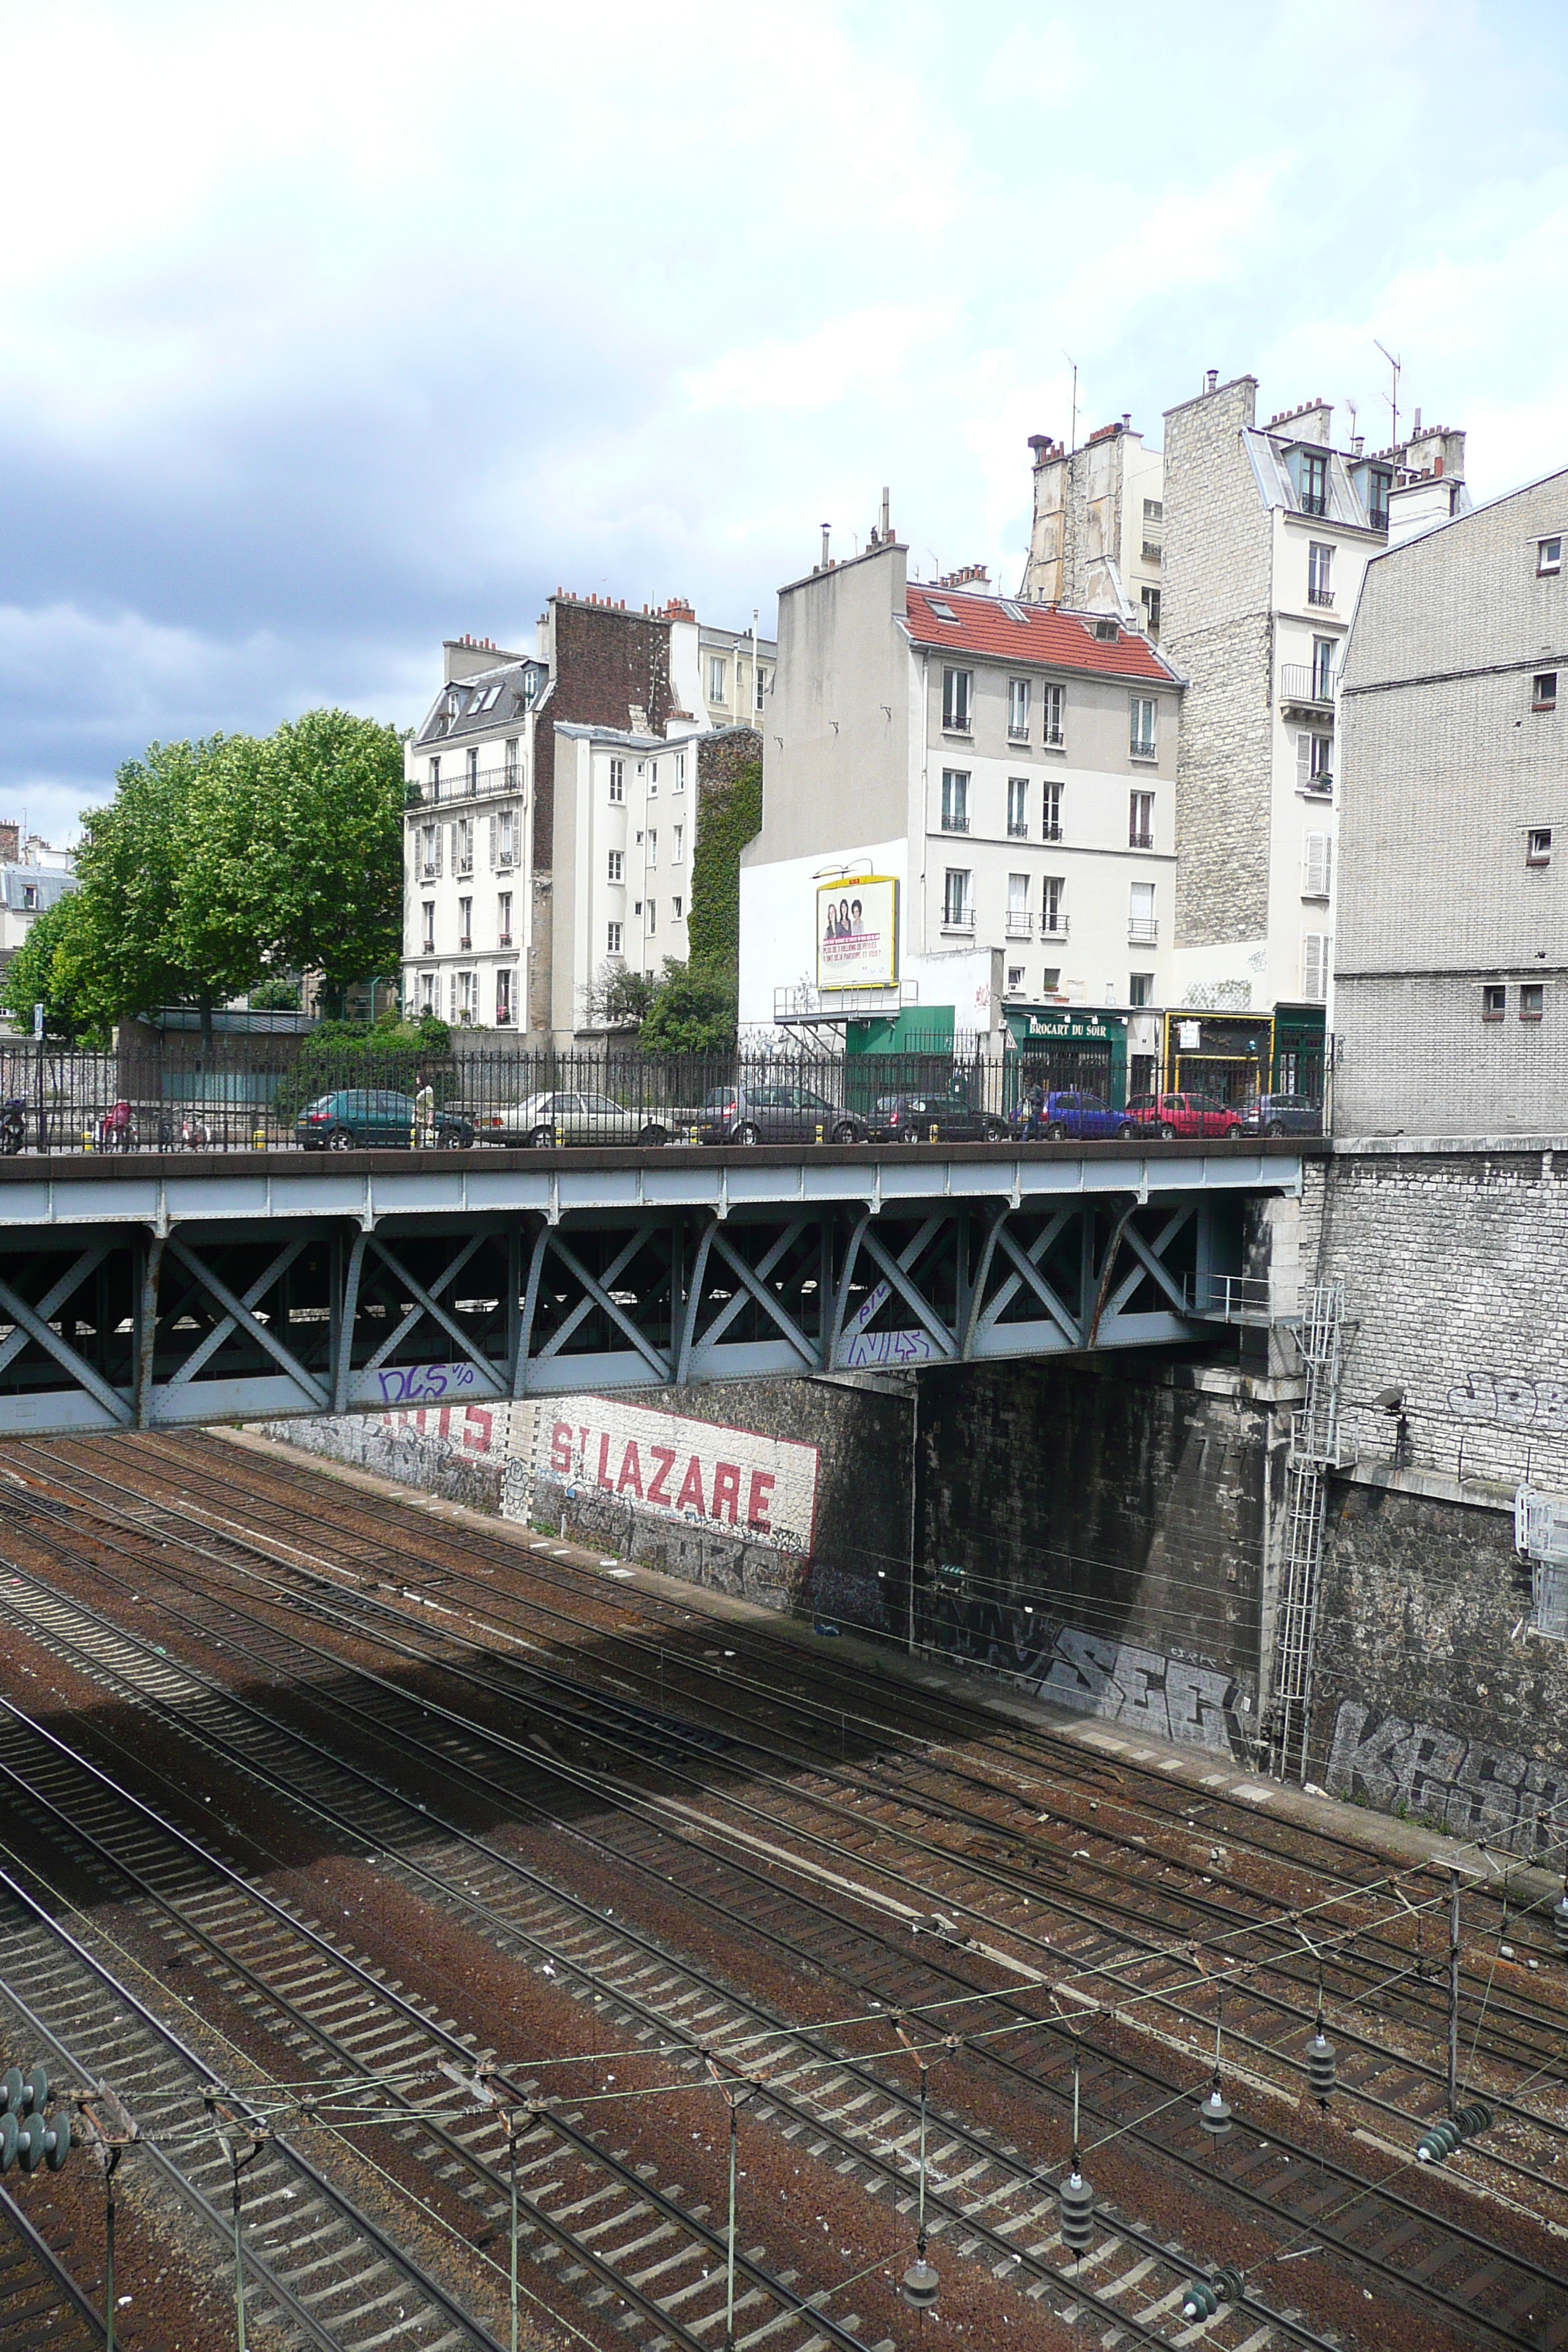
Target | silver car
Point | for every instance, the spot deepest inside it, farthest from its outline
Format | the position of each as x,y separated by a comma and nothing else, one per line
570,1116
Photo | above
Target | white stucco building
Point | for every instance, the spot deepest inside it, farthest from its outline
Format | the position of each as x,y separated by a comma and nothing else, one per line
1007,768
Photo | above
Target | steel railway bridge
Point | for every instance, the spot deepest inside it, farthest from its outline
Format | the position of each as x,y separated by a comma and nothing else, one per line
161,1290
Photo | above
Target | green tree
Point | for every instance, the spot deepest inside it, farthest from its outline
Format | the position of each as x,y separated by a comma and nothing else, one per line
694,1010
54,967
328,847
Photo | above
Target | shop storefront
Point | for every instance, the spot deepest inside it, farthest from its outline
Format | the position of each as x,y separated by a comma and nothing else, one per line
1234,1056
1067,1050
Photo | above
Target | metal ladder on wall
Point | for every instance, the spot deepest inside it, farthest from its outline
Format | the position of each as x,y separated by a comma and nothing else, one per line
1314,1450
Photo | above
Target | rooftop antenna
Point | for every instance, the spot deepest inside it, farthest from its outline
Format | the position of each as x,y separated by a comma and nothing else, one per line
1072,443
1394,395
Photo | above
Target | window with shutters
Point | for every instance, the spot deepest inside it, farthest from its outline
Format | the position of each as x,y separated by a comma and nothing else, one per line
428,911
465,923
463,846
428,838
1314,967
512,763
435,780
616,865
957,695
503,918
506,838
473,767
1316,864
503,996
426,991
1053,716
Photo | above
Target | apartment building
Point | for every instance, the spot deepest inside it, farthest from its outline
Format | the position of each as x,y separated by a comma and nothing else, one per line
34,876
1266,533
1096,539
1451,977
497,932
952,775
625,831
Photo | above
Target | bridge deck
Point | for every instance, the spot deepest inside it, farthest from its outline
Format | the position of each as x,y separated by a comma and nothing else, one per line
165,1289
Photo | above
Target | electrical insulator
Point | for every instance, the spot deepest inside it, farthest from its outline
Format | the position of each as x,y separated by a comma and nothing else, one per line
1203,2297
1321,2067
1434,2147
1214,2113
921,2285
1560,1922
1078,2213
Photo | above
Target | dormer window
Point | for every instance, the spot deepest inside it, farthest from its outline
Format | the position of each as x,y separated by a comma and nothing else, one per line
1107,633
1379,482
1314,481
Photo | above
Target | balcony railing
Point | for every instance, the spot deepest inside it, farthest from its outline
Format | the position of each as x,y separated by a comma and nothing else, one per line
1020,923
487,784
1017,730
1314,503
1051,829
1053,926
1151,550
1319,594
1142,748
958,919
1304,682
956,820
1017,828
1054,738
1139,838
1143,932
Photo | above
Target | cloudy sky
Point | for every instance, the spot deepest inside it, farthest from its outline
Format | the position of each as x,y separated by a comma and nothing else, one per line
328,330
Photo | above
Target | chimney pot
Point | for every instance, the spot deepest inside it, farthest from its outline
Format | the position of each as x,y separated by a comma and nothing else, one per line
1212,381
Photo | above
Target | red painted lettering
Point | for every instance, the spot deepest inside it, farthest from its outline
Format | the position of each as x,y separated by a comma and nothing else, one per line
657,1492
605,1460
631,1471
726,1490
561,1448
757,1507
692,1487
478,1431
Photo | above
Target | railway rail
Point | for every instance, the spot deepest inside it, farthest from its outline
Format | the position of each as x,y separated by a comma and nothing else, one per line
43,2308
487,1751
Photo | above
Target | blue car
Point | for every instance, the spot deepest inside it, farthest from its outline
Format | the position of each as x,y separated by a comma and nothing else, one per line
1083,1117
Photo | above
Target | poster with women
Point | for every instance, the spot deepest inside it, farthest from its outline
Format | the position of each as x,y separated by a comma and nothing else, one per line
857,933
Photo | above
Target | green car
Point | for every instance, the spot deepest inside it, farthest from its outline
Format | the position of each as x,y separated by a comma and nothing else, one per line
365,1116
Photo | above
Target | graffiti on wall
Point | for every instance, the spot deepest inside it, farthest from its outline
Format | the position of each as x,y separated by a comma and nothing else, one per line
1459,1785
1145,1691
478,1430
1512,1399
668,1466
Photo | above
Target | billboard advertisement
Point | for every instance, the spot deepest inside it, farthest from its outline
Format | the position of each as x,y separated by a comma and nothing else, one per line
858,933
671,1466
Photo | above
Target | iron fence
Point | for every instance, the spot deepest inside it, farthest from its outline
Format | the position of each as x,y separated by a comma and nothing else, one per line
170,1091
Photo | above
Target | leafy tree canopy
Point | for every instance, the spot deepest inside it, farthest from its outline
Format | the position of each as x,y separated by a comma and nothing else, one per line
694,1009
220,861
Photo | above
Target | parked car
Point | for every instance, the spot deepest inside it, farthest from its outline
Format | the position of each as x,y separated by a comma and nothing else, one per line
1183,1114
1085,1118
364,1115
1282,1115
782,1113
925,1119
576,1116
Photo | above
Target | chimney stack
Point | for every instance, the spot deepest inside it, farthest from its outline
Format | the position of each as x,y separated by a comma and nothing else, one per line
887,527
1212,381
826,528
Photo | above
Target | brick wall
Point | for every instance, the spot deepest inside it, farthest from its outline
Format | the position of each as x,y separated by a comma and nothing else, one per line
1215,625
606,662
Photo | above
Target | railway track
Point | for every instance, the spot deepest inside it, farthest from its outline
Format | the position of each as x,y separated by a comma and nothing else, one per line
1419,2220
42,2307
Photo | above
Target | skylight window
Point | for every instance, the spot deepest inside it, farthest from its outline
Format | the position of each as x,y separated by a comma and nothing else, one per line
1014,611
941,612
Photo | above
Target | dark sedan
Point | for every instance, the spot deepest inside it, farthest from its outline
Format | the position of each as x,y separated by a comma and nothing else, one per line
780,1114
356,1116
932,1118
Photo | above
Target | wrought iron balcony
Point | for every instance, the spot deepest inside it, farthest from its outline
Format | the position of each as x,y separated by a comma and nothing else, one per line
1139,837
956,820
1020,923
958,919
1053,926
1304,682
1051,829
490,783
1318,594
1143,932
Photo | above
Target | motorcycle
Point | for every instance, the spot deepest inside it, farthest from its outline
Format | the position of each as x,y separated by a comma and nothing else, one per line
13,1126
116,1129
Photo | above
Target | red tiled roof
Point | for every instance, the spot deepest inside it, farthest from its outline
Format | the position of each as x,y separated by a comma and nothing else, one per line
1046,638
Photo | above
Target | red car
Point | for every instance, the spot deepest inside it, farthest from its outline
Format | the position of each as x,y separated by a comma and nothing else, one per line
1185,1115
